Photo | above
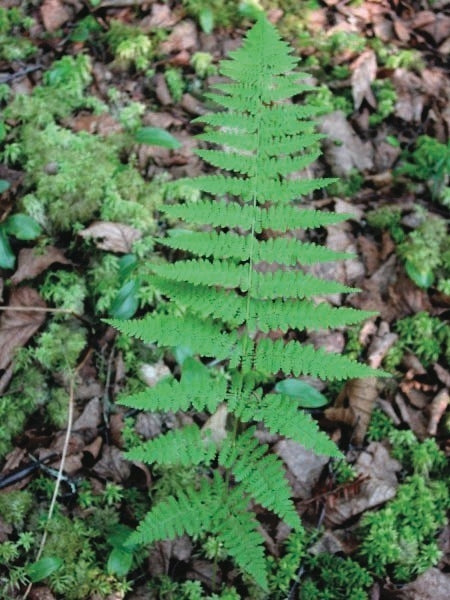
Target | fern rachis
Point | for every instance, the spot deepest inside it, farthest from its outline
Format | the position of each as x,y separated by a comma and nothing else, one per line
223,298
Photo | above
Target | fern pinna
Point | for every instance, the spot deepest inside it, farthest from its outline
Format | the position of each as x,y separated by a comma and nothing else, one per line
225,302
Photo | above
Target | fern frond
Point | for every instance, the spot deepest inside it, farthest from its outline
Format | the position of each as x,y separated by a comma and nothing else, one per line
230,215
281,415
294,284
198,388
304,359
261,475
185,447
190,512
229,245
240,536
202,337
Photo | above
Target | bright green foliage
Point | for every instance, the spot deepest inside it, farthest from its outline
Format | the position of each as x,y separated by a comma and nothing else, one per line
429,162
64,289
386,98
399,539
425,336
426,251
14,46
387,217
220,297
60,345
335,578
175,83
129,45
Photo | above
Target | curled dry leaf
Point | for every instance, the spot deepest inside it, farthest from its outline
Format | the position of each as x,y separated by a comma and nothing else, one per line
183,37
54,14
364,72
361,395
16,327
31,264
438,407
303,466
114,237
431,585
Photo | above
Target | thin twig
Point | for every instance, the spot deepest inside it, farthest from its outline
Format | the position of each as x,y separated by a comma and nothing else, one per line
65,311
20,74
61,465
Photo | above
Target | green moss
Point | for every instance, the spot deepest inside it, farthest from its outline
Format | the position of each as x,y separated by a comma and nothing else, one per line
64,289
386,97
175,83
214,13
400,539
13,43
59,347
15,507
63,91
335,578
129,45
425,336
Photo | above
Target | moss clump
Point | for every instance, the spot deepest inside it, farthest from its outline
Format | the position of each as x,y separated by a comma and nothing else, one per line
425,336
335,578
129,45
59,347
13,43
15,507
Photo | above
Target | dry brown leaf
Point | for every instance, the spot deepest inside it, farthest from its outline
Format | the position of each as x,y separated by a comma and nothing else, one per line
431,585
54,14
91,416
32,263
361,395
410,95
343,149
379,468
114,237
303,466
437,25
183,37
364,72
160,16
438,407
16,327
112,465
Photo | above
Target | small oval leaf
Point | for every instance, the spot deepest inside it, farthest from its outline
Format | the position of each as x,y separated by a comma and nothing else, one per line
7,258
125,304
4,185
119,561
154,136
423,279
308,395
43,568
23,227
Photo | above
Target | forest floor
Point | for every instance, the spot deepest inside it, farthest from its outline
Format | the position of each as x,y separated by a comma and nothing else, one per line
98,99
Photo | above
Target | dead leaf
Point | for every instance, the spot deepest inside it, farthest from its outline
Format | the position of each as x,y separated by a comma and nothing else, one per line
16,327
364,72
183,37
438,407
91,416
435,25
380,485
41,593
380,345
431,585
370,253
114,237
160,16
343,149
216,424
54,14
361,395
304,467
112,465
32,263
410,95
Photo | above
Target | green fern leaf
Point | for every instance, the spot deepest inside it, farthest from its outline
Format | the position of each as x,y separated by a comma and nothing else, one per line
185,447
262,476
304,359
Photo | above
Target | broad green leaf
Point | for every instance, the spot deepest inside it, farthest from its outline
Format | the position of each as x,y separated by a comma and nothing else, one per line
4,185
154,136
120,561
7,258
206,19
126,302
127,263
23,227
424,279
309,396
43,568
